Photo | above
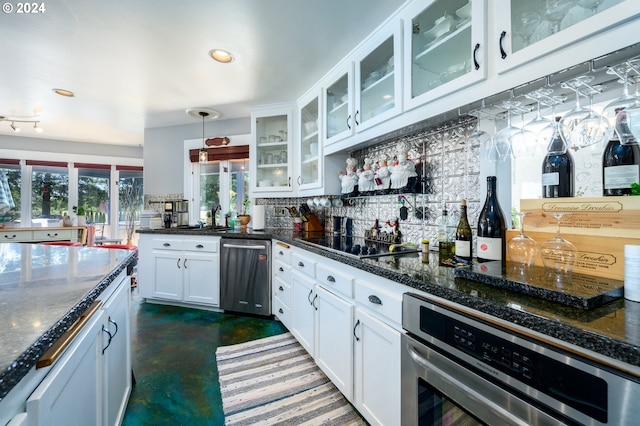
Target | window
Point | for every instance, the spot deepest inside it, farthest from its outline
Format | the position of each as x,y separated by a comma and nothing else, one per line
93,194
210,191
49,194
10,192
238,185
131,203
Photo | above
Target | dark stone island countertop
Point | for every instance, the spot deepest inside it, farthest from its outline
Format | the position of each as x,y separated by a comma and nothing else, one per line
43,291
611,330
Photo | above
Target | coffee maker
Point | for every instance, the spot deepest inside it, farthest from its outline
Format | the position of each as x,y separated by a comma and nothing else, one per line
176,212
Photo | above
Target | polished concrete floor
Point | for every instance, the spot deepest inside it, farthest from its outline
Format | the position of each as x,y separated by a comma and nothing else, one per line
174,363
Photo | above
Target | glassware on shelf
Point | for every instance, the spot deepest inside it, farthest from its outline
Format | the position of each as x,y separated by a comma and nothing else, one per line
523,141
543,127
591,130
591,5
626,100
558,254
502,139
522,248
570,120
556,10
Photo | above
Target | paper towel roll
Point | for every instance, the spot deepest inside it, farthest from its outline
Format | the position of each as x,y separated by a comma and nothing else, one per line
257,218
632,272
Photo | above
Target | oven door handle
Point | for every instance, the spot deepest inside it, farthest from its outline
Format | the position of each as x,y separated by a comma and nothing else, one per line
462,392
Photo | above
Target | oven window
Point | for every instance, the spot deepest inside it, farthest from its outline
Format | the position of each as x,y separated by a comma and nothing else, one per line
435,409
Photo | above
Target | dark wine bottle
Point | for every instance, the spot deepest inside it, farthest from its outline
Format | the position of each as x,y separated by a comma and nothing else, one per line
491,227
463,234
620,166
557,168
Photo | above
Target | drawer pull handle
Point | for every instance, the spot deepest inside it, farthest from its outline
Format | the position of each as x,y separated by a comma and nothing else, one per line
375,299
199,246
331,279
314,303
106,330
52,235
178,263
300,264
354,331
281,253
503,54
166,245
280,288
281,311
10,237
280,269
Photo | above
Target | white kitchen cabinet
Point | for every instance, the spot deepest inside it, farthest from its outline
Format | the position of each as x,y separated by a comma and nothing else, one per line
271,150
376,369
116,354
334,348
365,89
309,158
529,30
71,394
303,311
445,48
282,291
180,268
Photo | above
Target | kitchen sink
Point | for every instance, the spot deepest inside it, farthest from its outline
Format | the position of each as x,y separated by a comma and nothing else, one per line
210,228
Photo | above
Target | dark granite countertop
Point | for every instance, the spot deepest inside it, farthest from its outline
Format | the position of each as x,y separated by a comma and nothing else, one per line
611,330
43,291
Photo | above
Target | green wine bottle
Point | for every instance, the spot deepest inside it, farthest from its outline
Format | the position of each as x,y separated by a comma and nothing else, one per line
463,234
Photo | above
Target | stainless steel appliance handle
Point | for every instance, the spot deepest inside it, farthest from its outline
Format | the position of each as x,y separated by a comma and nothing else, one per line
239,246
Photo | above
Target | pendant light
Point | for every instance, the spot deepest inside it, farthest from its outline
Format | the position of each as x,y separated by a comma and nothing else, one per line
204,155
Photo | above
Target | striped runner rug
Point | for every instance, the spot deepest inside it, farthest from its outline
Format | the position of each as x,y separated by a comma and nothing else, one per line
274,381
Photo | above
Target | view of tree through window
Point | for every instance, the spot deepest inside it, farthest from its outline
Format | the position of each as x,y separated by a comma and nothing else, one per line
49,193
239,186
130,202
93,194
12,176
210,190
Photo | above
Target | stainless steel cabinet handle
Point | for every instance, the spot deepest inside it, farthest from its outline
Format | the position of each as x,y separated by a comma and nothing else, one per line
199,246
300,264
184,263
52,235
375,299
331,279
178,263
354,330
239,246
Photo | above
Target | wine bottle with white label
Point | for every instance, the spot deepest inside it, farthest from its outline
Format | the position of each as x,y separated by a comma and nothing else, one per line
491,227
463,234
620,165
557,168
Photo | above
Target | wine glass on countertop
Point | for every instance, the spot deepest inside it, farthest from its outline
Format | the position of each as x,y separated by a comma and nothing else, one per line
522,248
557,253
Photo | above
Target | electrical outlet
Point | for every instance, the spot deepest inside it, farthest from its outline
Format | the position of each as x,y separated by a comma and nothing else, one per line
281,211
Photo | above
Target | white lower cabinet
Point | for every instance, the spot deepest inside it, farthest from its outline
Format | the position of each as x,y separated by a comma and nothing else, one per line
91,381
180,268
334,351
376,370
303,311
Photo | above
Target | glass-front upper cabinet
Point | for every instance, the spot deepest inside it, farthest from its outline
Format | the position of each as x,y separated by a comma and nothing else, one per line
270,151
310,152
445,48
531,29
378,78
338,101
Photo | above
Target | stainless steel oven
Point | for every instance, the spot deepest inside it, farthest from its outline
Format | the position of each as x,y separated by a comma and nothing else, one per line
461,369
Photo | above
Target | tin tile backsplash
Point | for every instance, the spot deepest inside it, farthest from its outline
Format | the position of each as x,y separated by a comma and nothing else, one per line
448,169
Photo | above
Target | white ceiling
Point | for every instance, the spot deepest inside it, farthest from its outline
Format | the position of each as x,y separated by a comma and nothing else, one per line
134,64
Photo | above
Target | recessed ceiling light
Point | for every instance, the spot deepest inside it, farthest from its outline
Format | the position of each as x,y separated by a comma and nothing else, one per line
221,55
64,92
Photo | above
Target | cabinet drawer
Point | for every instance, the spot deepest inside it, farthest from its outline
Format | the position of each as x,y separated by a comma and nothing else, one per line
335,281
282,271
282,252
282,291
55,235
167,244
282,312
381,301
303,264
204,245
16,236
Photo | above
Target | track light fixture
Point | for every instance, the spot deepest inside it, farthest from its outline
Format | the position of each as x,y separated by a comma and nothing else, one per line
14,120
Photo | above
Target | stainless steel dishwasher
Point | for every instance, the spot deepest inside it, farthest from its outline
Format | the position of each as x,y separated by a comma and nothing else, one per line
245,276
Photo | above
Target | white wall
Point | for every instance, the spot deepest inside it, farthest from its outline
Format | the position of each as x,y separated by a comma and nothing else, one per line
164,151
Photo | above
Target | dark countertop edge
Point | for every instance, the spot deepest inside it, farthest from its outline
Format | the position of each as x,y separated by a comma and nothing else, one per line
25,362
597,343
255,235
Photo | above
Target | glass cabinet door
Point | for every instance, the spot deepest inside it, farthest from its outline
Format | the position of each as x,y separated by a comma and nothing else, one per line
378,81
310,149
338,119
532,29
272,152
443,42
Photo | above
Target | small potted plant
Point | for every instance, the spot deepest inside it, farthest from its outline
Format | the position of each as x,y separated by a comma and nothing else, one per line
245,217
80,213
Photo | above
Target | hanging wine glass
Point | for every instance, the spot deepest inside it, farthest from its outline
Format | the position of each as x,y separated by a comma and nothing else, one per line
522,248
523,141
557,253
502,139
543,127
627,124
479,137
591,130
625,100
570,120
